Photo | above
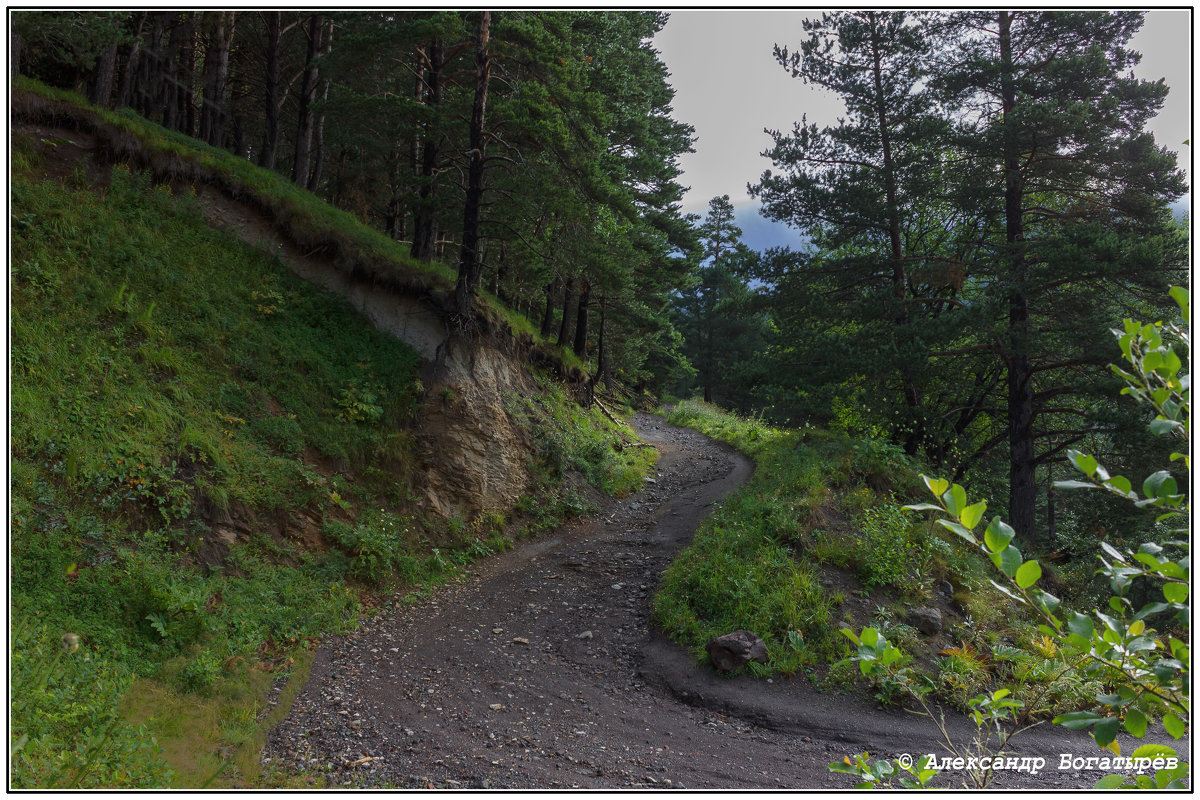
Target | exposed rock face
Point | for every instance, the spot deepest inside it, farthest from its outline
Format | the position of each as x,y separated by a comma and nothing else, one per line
926,620
735,649
474,456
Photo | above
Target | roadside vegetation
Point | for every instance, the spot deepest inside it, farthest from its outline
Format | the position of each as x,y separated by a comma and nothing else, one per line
818,540
212,467
1135,653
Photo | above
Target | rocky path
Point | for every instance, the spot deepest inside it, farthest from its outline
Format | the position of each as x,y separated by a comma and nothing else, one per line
541,671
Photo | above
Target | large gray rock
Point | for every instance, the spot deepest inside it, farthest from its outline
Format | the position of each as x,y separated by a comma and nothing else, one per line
735,649
926,620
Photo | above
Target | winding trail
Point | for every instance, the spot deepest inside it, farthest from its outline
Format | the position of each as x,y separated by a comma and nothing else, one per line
540,670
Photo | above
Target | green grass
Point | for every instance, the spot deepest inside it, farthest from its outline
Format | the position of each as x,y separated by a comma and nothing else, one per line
570,437
739,570
150,383
163,372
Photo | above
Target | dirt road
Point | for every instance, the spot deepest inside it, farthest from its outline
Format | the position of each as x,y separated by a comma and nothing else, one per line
541,671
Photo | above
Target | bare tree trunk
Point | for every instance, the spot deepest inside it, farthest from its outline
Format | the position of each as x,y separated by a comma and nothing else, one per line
564,325
308,93
101,88
602,358
1022,489
129,73
424,230
912,399
470,263
173,88
1051,522
274,25
214,111
237,142
14,52
186,76
581,319
314,180
548,316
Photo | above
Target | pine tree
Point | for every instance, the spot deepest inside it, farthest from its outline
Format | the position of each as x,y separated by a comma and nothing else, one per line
714,313
858,188
1056,151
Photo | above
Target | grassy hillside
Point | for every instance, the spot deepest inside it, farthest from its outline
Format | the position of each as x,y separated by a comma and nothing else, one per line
212,467
351,246
818,541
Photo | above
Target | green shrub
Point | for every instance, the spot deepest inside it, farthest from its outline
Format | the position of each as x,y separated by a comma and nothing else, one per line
200,673
570,437
376,544
889,554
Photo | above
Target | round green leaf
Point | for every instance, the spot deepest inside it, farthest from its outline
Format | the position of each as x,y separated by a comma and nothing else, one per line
1135,722
1084,463
972,514
1175,592
936,485
998,535
1028,574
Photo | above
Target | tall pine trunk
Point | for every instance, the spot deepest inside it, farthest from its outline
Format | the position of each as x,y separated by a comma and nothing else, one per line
172,86
564,325
152,75
267,156
14,52
125,91
314,179
1022,489
186,76
101,87
707,377
215,107
470,262
912,400
581,319
602,357
424,226
308,93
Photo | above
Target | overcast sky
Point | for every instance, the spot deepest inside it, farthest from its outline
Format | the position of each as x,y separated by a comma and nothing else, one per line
729,87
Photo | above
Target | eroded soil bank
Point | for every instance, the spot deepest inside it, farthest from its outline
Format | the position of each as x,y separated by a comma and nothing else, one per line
541,671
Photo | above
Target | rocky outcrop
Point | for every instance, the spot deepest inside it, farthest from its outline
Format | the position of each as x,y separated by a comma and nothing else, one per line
926,620
474,457
734,650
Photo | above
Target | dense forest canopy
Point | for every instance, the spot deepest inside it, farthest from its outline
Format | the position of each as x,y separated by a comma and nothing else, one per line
987,209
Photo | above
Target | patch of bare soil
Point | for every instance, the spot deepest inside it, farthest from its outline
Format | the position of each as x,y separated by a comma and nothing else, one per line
60,153
540,670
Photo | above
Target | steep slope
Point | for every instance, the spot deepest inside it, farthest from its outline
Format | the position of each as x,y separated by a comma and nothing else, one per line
214,461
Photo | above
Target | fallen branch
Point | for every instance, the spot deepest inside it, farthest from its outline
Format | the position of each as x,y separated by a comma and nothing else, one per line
607,413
